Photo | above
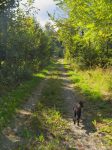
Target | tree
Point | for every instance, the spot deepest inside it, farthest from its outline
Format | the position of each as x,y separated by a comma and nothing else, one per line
24,47
88,27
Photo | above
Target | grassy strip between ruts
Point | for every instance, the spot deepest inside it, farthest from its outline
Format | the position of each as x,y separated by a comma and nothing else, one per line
14,99
96,85
48,130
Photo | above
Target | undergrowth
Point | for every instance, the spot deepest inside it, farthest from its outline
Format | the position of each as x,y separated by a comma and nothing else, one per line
15,98
96,86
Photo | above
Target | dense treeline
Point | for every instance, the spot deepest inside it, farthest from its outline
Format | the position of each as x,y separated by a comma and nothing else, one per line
86,31
4,4
24,46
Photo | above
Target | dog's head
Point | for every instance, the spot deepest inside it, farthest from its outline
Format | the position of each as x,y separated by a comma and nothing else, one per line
81,104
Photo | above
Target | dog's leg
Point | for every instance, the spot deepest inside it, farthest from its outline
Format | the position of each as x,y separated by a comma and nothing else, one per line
74,118
78,120
78,117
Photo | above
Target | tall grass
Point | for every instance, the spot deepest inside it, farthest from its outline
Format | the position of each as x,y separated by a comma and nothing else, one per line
96,81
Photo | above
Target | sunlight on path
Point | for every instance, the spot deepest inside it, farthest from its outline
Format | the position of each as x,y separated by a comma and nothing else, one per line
85,138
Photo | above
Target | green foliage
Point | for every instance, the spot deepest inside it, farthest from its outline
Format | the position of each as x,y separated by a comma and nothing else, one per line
10,102
54,44
88,36
25,48
4,4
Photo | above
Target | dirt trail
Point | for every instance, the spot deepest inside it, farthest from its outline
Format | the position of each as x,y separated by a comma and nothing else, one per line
85,136
12,135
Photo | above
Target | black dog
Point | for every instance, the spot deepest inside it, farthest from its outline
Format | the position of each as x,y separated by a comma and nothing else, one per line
77,112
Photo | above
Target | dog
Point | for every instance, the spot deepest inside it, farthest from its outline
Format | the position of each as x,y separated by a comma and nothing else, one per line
77,109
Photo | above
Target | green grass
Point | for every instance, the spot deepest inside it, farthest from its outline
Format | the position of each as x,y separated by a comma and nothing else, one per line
49,127
14,99
96,86
48,118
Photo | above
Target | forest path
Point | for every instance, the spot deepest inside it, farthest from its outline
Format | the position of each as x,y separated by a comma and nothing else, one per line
13,135
85,136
